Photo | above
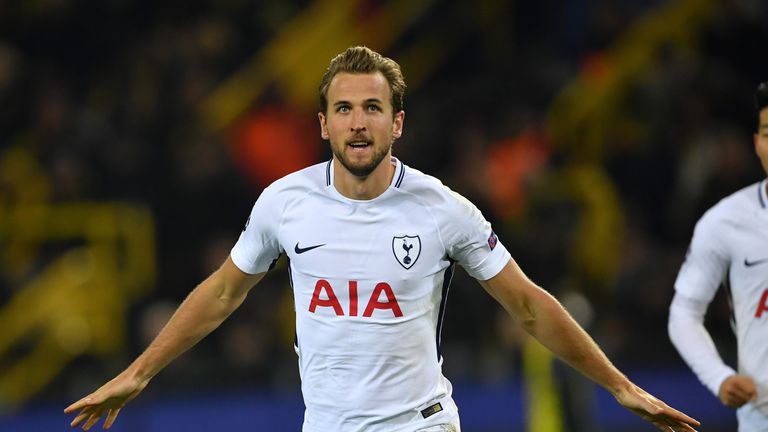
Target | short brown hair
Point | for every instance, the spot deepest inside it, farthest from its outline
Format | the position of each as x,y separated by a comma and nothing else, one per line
761,99
363,60
761,96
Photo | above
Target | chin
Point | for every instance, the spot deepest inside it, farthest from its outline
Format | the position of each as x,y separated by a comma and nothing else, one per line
364,171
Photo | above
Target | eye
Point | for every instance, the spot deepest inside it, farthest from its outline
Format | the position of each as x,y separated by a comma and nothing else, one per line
342,109
374,108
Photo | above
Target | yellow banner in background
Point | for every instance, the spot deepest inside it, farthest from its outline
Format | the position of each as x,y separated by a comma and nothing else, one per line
73,270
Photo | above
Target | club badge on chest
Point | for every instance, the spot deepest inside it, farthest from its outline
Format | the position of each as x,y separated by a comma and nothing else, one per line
406,249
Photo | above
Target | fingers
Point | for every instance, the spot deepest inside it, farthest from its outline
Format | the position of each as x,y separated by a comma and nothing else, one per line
737,396
681,422
668,419
737,390
743,391
740,395
659,413
82,403
681,417
673,426
677,426
91,412
682,428
105,403
93,419
670,416
84,414
111,416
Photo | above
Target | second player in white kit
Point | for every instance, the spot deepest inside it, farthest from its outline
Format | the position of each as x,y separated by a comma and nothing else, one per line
730,248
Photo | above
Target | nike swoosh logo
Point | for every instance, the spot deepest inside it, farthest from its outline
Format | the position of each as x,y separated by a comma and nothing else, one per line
300,250
749,263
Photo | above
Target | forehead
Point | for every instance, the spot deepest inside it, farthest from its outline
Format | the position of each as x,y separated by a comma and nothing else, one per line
764,118
355,87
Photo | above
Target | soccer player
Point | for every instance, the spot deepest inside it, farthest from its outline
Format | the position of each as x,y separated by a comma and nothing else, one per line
372,245
730,247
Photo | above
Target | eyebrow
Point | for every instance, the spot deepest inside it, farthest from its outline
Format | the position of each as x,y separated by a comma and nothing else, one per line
369,100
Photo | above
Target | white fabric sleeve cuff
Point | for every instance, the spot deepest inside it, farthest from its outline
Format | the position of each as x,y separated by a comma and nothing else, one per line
492,265
693,342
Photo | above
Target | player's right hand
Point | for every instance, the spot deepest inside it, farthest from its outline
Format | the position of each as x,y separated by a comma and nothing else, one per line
109,399
737,390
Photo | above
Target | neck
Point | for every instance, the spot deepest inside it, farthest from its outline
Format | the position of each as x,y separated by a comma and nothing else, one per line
363,188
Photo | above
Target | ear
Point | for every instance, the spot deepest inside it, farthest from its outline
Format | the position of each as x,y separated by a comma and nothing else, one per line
323,128
397,129
756,141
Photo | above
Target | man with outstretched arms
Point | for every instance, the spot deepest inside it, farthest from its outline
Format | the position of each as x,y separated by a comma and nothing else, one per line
372,245
730,248
370,280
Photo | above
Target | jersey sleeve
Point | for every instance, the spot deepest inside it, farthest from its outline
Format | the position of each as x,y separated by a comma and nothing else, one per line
700,276
471,242
258,247
706,262
693,342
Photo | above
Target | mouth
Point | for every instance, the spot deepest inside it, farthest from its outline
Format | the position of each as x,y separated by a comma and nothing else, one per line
359,145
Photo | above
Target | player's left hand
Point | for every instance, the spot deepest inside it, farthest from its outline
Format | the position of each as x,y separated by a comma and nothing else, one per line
655,411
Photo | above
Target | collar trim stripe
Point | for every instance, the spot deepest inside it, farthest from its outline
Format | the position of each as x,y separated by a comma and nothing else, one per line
400,177
397,184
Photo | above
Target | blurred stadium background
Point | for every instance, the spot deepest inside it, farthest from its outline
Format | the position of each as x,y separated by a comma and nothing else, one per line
135,136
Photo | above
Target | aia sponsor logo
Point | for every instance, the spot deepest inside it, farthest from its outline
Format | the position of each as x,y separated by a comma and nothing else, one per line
382,298
762,305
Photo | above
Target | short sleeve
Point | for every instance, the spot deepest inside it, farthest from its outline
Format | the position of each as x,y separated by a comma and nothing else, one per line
706,262
471,241
258,247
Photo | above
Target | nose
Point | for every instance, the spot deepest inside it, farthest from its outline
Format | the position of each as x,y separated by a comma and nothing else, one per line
358,121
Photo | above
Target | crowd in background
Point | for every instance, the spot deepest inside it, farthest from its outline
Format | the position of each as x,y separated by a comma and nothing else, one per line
105,96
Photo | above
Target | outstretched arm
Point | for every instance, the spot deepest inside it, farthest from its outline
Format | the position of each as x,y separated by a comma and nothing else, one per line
206,307
542,316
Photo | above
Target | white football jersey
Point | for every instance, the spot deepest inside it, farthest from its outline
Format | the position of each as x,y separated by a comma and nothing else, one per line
730,247
370,281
